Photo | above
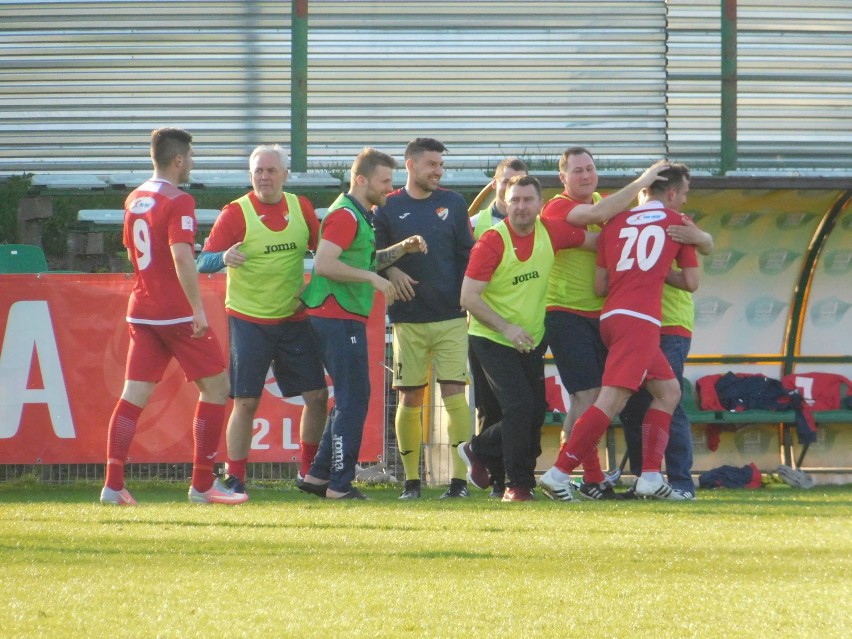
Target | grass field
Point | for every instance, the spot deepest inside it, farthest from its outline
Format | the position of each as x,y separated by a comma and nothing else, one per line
768,563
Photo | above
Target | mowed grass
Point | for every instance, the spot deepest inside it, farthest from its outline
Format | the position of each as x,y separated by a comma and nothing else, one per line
767,563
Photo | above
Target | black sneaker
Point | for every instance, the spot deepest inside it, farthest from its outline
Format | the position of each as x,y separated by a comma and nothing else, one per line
458,488
597,492
630,493
411,490
317,490
232,482
497,491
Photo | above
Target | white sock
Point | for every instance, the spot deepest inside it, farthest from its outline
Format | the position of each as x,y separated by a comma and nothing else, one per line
558,474
654,478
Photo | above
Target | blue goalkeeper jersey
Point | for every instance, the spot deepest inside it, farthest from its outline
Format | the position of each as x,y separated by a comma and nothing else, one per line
443,222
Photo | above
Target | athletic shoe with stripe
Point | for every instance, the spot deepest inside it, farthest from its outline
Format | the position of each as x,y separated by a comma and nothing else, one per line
658,490
611,478
217,494
110,497
232,482
597,492
458,488
477,472
411,490
555,487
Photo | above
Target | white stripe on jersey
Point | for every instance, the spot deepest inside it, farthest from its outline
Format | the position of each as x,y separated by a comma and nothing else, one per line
165,322
627,311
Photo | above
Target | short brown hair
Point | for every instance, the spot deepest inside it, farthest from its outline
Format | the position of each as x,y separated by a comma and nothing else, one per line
525,180
368,160
167,144
516,164
676,175
418,146
573,150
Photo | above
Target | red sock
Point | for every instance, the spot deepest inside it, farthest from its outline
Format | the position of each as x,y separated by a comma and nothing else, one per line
309,451
122,427
592,471
655,437
237,468
206,431
584,439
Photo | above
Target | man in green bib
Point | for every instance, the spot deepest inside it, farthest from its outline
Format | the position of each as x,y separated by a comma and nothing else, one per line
339,299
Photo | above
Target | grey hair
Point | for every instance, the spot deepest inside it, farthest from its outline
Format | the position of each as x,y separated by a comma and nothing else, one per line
271,148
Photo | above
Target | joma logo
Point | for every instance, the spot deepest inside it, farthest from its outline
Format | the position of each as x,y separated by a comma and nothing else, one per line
274,248
523,278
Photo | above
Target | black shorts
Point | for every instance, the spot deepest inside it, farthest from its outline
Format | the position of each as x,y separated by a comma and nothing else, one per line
578,351
288,347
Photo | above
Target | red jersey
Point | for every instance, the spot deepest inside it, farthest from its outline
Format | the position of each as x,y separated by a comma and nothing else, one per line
157,215
637,254
559,207
230,226
487,253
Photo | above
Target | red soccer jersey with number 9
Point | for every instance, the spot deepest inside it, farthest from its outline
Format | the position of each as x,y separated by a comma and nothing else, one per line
637,254
157,215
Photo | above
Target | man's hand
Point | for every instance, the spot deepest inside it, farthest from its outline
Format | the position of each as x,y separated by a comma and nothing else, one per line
199,323
652,173
233,257
689,233
402,282
520,339
414,244
385,287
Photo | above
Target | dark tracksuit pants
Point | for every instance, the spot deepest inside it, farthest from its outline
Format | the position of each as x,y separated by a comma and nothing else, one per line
343,346
517,380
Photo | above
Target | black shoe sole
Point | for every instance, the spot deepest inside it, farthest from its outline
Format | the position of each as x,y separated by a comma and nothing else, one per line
317,490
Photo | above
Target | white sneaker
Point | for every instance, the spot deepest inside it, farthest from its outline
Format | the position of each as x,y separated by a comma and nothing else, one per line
658,490
555,487
110,497
218,494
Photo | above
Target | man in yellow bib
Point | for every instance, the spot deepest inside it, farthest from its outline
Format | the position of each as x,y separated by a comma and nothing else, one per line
487,407
504,289
262,238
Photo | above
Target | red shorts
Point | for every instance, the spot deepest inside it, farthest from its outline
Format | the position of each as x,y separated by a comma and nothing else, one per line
152,348
634,352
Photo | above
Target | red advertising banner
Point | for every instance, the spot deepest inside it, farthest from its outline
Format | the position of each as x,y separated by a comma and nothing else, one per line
62,355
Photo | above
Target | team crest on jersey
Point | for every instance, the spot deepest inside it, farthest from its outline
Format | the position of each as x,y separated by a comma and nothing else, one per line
141,205
187,223
442,212
646,217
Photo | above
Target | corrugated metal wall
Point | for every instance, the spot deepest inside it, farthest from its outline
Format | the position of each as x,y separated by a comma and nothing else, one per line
84,82
490,78
794,63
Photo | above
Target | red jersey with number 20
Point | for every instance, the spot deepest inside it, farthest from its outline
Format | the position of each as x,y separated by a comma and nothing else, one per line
637,254
157,215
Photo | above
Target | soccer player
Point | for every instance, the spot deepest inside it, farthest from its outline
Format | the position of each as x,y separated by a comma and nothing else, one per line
675,339
428,321
262,239
633,263
572,324
166,319
504,290
339,298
